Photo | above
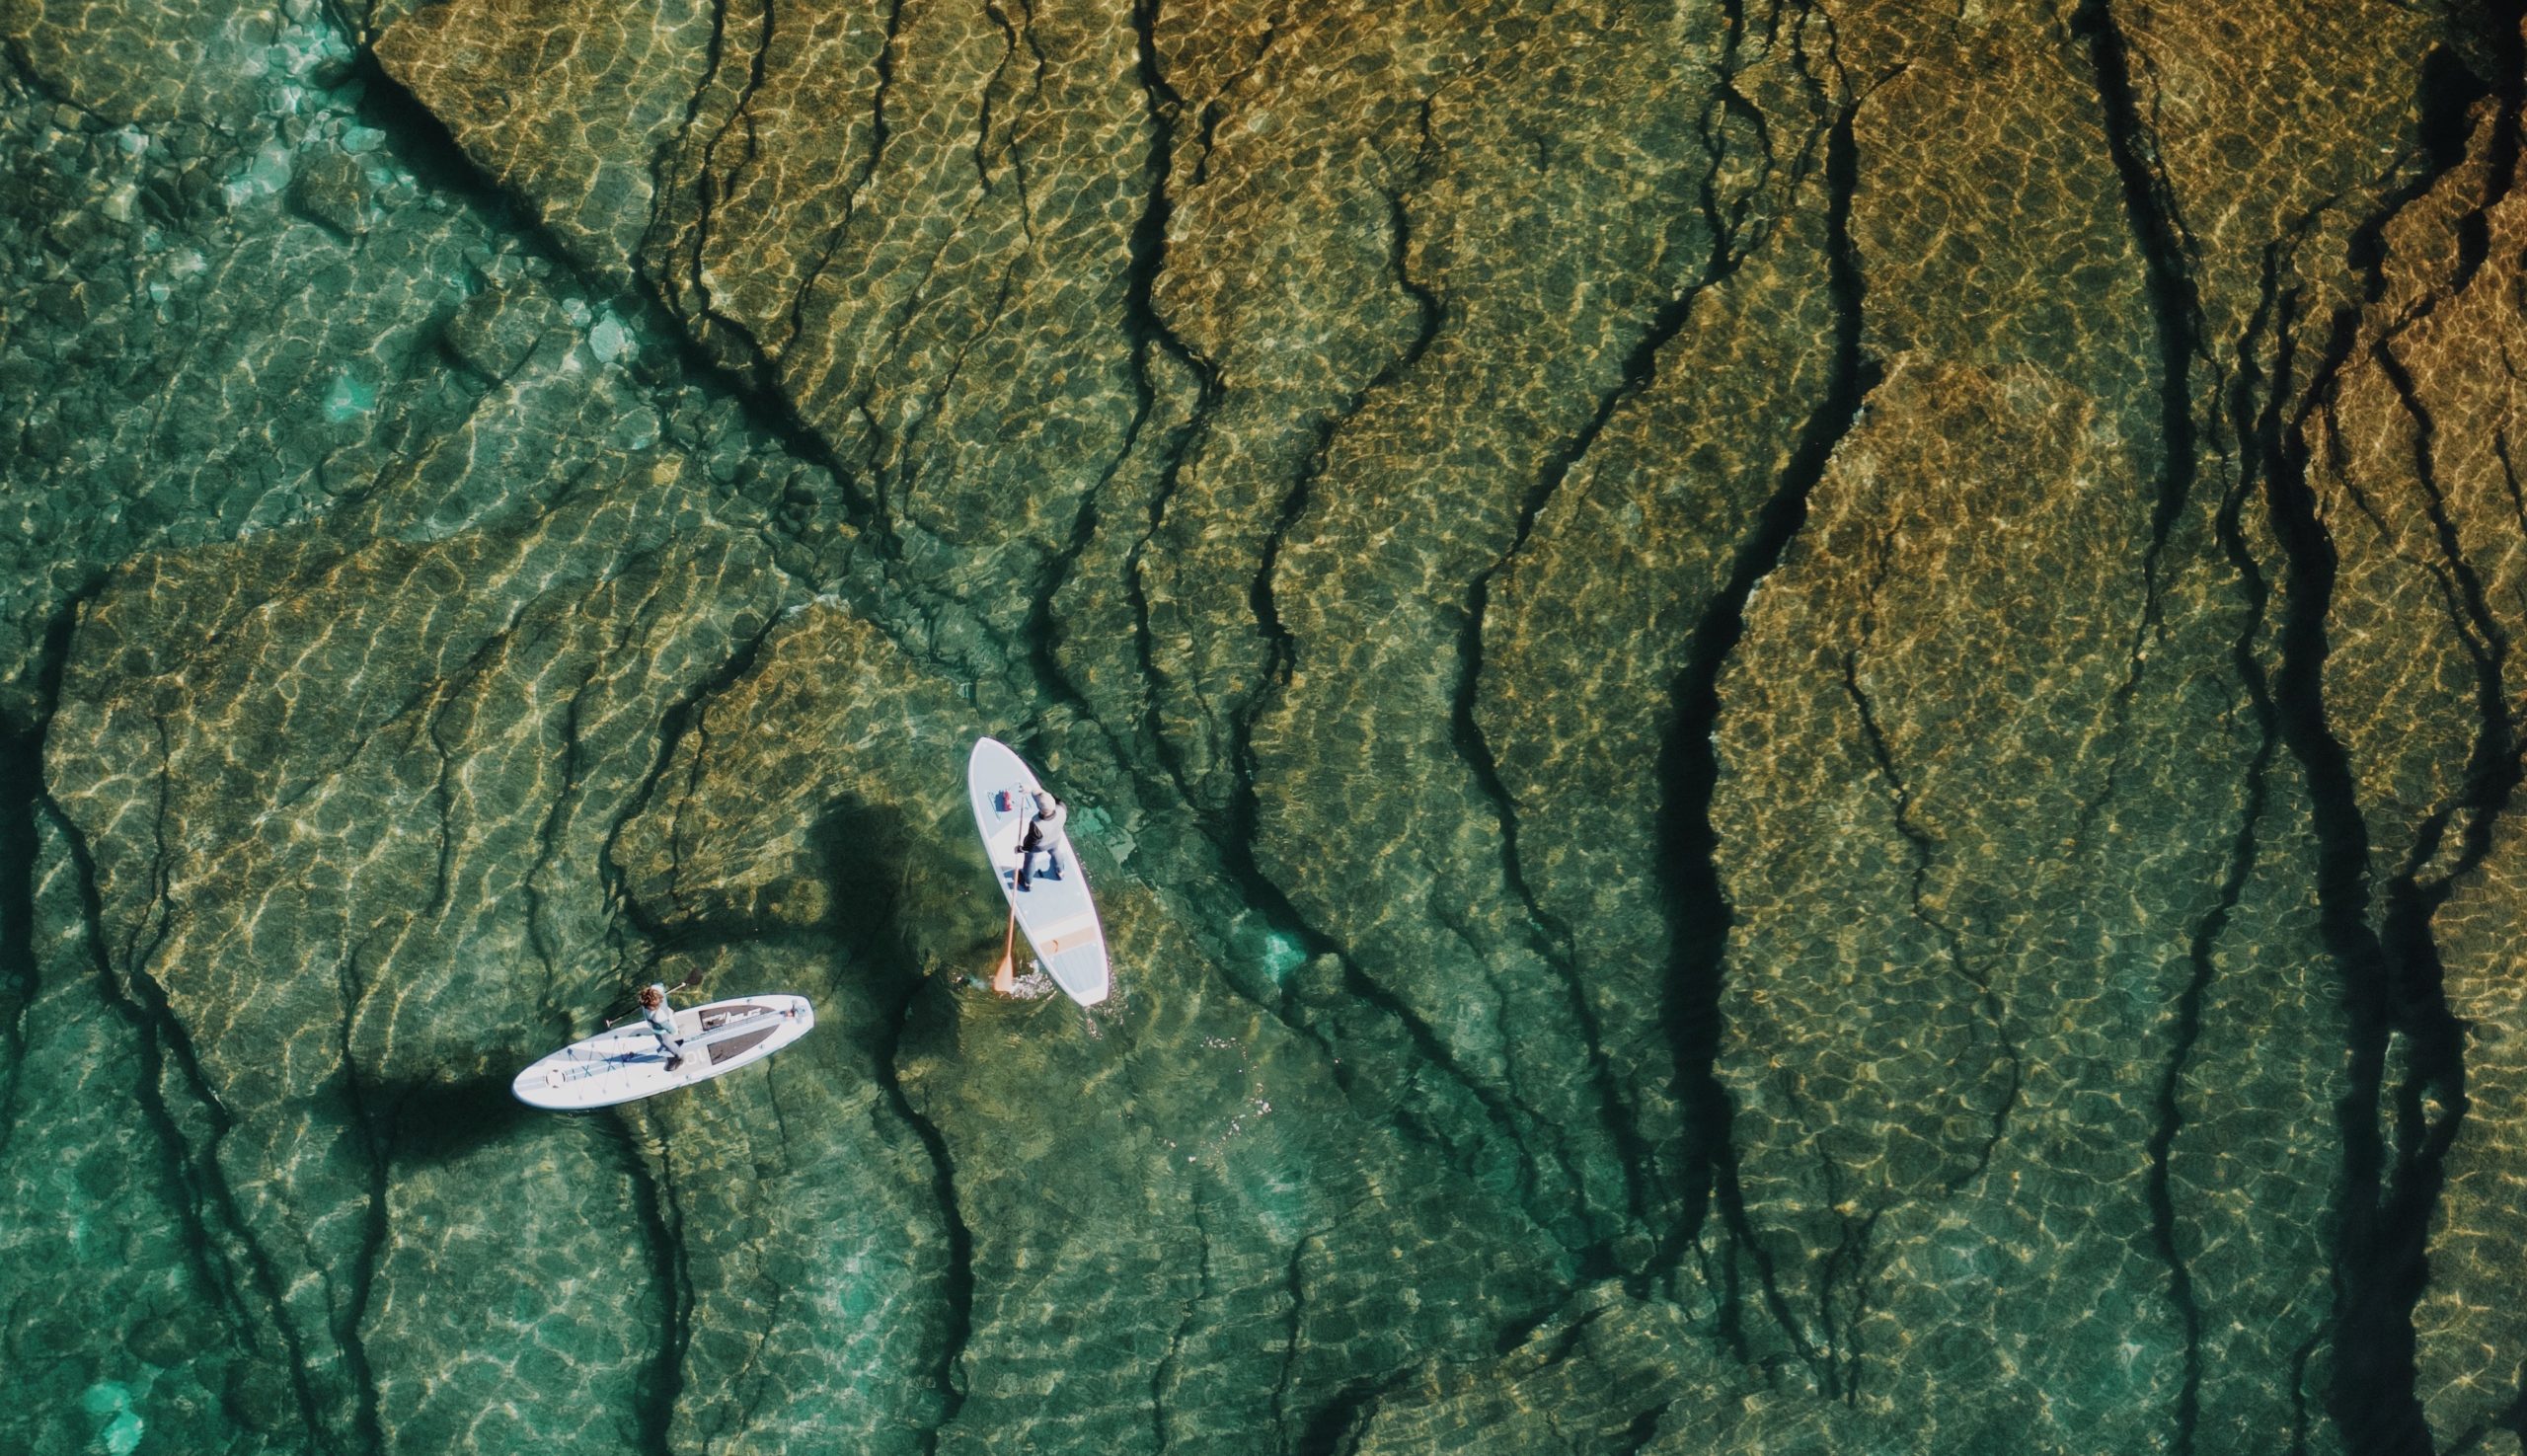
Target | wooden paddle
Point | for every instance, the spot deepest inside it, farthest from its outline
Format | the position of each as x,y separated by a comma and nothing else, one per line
1004,977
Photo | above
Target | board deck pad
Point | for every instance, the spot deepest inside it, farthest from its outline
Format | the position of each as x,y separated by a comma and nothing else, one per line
625,1065
1054,912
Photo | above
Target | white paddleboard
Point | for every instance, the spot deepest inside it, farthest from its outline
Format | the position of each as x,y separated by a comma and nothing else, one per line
1055,914
624,1064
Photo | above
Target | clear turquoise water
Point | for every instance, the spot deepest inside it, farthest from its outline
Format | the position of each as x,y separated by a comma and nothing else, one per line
1736,808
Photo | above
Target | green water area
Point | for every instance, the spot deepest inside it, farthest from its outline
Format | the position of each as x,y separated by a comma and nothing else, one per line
1793,721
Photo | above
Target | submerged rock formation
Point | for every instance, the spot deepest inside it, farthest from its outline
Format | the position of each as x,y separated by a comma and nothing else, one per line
1795,726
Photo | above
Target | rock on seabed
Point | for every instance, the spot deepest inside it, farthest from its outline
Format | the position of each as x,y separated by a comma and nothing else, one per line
1799,725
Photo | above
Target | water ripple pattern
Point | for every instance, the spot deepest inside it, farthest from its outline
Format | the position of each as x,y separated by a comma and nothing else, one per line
1794,724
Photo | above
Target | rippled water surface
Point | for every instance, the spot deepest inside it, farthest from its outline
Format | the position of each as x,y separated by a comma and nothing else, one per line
1795,726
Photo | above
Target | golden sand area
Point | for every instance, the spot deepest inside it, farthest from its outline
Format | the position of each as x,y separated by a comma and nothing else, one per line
1794,724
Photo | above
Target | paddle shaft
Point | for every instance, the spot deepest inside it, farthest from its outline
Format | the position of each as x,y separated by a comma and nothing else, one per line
608,1023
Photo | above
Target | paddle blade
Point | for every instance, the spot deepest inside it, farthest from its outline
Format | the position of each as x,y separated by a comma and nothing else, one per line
1004,977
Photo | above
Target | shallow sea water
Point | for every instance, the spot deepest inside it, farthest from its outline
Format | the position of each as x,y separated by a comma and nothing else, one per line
1794,730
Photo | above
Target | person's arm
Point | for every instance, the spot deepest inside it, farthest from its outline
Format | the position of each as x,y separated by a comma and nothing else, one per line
636,1009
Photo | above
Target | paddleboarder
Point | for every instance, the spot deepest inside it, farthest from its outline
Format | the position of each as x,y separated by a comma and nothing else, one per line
1051,911
1044,831
662,1019
612,1067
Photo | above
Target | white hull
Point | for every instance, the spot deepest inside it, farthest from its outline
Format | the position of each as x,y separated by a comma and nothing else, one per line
624,1064
1056,915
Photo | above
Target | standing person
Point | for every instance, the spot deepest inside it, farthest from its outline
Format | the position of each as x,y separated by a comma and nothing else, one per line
662,1019
1043,832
